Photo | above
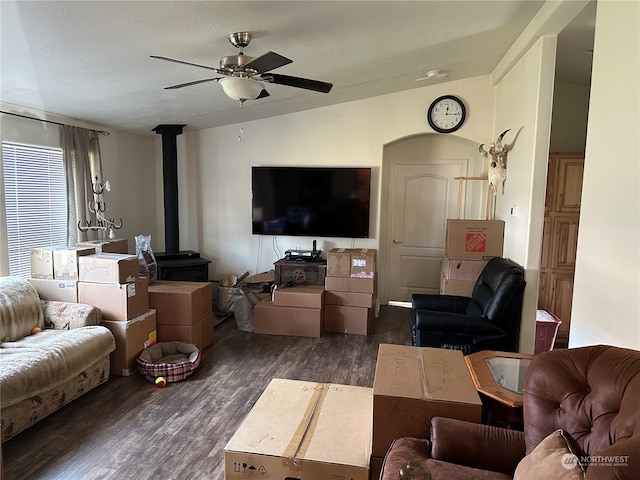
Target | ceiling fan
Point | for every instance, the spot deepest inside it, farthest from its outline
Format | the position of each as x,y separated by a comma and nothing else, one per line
243,77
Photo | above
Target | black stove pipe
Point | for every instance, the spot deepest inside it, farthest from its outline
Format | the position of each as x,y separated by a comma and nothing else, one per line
170,184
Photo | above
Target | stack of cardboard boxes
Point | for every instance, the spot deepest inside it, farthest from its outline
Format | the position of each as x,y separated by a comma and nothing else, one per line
469,245
184,311
103,274
351,288
296,311
111,282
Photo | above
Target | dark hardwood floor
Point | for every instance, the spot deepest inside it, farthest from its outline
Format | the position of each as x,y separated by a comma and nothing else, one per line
129,429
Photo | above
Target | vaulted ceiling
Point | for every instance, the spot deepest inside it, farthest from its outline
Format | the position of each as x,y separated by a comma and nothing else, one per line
90,60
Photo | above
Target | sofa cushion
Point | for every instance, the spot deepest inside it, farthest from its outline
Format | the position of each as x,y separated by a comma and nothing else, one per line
20,309
553,456
37,363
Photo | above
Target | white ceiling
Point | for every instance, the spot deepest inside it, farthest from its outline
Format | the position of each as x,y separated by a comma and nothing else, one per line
89,60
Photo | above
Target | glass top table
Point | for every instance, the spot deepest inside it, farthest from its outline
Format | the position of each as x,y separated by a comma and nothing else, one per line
499,378
509,372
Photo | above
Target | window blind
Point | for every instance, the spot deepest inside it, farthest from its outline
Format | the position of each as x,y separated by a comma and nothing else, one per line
35,200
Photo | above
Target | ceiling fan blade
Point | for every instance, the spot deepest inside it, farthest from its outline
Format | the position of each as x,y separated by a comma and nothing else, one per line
298,82
186,63
196,82
268,61
263,94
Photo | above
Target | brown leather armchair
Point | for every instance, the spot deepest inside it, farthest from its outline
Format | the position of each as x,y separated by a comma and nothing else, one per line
591,393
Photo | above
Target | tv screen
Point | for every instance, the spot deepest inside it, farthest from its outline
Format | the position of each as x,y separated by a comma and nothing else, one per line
311,201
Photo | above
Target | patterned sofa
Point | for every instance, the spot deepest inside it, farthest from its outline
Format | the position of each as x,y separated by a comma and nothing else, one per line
41,372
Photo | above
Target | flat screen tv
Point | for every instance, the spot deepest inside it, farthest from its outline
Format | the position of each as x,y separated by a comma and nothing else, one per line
311,201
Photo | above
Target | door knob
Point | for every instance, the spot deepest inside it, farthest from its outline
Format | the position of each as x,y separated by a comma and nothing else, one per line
396,241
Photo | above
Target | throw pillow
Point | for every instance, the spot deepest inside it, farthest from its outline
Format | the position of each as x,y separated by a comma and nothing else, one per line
554,458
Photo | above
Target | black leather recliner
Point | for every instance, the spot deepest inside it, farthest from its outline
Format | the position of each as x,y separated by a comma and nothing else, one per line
489,320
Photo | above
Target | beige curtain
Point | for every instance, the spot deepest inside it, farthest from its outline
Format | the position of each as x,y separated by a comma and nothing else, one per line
83,167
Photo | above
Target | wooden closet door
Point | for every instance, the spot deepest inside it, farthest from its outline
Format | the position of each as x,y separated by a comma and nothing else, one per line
560,238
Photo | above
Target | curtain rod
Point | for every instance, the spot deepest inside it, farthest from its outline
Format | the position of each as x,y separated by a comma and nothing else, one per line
103,132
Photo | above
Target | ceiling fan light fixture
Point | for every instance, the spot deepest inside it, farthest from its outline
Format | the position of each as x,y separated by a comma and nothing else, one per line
241,89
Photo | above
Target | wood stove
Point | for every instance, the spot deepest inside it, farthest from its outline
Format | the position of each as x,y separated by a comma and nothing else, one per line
174,264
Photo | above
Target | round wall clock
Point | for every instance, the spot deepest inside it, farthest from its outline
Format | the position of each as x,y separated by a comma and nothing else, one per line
446,114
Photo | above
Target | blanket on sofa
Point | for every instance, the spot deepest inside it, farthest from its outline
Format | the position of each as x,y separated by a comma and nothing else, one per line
34,364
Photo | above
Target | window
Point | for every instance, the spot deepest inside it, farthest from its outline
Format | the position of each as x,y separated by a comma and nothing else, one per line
35,199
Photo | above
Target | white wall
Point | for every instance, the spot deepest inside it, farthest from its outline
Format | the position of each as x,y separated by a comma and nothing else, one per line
127,162
215,208
606,297
570,112
523,104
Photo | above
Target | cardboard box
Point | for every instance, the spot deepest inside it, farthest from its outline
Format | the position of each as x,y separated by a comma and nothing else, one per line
58,290
200,333
351,262
413,384
344,319
42,262
132,337
117,301
363,263
474,239
304,430
463,288
65,261
339,262
181,303
108,268
295,321
306,296
118,245
350,299
358,285
457,269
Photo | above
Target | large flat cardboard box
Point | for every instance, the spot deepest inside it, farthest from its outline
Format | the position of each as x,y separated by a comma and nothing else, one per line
474,239
351,320
200,333
181,303
65,261
58,290
117,301
358,285
132,337
108,268
293,321
349,299
307,430
414,384
306,296
118,245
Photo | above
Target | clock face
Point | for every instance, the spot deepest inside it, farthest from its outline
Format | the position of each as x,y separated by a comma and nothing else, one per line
446,114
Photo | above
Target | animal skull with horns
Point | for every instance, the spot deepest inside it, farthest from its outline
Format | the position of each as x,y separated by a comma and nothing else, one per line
496,155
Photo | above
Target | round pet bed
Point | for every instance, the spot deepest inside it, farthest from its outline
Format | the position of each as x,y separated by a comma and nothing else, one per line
174,361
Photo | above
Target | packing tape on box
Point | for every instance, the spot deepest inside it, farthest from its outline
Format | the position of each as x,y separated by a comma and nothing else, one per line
301,438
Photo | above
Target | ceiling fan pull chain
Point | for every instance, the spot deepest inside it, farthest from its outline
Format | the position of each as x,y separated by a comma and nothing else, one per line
241,130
